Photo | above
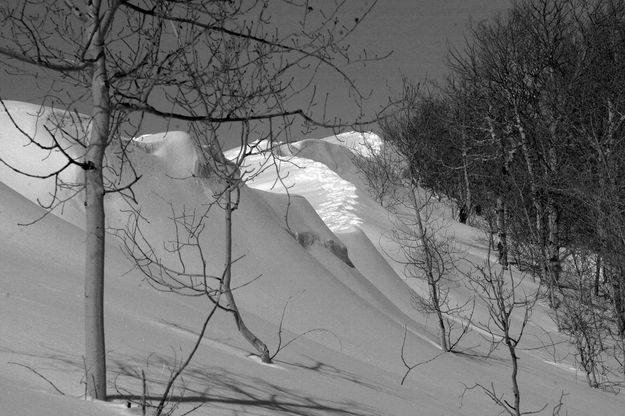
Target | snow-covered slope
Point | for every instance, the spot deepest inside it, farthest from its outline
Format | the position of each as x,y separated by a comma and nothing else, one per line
316,247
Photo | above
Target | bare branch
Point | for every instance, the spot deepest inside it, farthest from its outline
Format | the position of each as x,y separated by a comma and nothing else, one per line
40,375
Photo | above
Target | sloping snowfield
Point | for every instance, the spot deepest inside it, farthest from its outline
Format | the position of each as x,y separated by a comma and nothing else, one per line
322,247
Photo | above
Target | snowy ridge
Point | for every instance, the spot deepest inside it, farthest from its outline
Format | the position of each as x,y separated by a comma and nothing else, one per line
334,198
355,314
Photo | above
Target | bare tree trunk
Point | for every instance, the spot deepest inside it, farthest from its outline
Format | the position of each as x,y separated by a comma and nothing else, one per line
553,245
467,183
618,296
503,296
227,291
501,208
502,245
597,274
553,220
439,315
515,370
95,354
542,231
433,281
622,342
525,146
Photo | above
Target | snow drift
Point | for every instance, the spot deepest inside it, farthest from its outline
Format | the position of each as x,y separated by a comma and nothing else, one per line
314,250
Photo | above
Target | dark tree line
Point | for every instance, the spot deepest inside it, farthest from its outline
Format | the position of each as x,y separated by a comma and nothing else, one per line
528,133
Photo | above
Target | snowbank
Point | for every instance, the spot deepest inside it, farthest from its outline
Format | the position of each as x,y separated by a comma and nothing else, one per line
317,245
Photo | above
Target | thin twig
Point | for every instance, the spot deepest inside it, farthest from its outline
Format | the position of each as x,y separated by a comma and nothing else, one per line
40,375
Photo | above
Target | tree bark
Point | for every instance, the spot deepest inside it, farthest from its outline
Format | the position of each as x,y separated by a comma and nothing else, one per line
529,164
515,370
553,214
554,245
227,291
95,354
542,232
502,245
501,207
467,183
597,274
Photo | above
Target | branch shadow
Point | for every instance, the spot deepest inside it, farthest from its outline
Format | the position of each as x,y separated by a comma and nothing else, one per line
217,387
223,389
345,375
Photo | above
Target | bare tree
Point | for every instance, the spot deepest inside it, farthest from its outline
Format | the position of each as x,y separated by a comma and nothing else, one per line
525,65
71,41
397,172
380,166
430,255
216,63
246,79
505,297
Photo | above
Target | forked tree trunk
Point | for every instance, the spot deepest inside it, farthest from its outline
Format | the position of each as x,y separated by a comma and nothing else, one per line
95,355
260,346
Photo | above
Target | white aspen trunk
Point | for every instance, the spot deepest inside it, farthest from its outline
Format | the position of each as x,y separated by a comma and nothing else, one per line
95,354
501,207
554,265
541,229
552,249
227,291
613,271
224,174
553,215
530,170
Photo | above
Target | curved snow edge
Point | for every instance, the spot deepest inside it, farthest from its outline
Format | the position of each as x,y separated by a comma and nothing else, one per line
308,238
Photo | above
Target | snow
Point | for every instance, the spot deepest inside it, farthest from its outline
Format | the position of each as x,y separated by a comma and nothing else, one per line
349,362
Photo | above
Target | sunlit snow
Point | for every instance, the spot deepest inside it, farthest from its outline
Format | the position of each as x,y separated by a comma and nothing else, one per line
355,316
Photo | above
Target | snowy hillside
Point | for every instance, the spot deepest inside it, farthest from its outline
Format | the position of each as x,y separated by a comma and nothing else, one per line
315,239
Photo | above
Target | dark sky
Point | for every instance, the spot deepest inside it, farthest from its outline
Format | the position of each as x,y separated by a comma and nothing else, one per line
418,32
